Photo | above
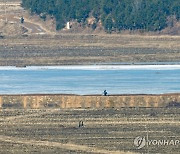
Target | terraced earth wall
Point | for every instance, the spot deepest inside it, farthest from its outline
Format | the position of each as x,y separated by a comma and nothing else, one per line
92,102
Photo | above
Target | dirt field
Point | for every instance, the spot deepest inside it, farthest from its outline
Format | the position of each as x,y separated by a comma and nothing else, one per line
88,49
104,131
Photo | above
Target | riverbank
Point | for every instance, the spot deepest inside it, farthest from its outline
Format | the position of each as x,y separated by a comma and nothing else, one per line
40,101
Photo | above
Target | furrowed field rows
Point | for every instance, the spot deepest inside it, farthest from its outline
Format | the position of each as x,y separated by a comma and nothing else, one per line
104,130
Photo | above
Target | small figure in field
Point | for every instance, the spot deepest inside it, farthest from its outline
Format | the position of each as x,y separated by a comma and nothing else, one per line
81,124
105,93
22,20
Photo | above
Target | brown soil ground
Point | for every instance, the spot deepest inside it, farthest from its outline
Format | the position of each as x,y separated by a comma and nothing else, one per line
105,131
87,49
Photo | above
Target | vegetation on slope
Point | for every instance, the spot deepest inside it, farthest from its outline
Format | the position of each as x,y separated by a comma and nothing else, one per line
115,15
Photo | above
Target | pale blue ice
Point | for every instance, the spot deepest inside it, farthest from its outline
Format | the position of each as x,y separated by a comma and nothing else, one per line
63,80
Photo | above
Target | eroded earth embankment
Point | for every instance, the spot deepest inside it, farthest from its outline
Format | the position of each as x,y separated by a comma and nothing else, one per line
93,102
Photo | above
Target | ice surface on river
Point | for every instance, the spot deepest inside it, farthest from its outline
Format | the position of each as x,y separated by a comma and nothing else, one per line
92,79
95,67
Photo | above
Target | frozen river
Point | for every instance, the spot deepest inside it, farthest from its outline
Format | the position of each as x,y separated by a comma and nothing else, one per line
94,79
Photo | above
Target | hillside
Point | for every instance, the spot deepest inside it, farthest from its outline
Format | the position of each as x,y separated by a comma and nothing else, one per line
37,42
112,15
43,23
10,23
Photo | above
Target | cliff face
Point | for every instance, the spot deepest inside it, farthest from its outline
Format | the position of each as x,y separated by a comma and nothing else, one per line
93,102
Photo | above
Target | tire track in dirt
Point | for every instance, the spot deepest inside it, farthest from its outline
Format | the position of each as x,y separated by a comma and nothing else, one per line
12,16
98,121
30,115
38,27
33,28
68,146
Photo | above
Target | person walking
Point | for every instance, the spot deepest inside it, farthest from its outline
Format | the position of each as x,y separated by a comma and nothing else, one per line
105,93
